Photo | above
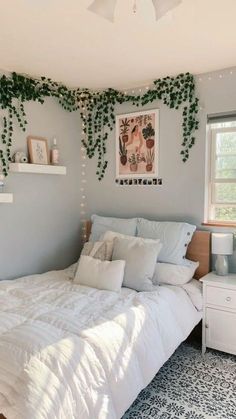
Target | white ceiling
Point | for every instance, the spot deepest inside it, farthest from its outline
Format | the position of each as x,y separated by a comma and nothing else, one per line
63,40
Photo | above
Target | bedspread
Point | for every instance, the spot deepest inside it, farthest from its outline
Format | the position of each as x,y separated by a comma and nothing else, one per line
73,352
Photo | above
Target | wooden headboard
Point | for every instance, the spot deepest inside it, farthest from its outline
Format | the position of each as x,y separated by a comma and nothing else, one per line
198,249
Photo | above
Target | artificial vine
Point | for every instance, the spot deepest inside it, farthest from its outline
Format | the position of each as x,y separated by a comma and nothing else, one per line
97,110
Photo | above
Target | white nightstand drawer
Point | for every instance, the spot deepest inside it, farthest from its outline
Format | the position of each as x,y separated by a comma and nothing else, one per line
220,329
221,297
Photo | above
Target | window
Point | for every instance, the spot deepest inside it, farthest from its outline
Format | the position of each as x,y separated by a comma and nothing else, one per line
221,173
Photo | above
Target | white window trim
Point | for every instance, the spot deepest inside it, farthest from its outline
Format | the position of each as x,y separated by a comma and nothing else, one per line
210,179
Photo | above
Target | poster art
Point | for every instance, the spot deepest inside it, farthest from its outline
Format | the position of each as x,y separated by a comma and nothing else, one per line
137,151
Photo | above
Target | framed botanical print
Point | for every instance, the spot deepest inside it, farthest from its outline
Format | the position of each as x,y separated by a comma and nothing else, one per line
38,150
137,144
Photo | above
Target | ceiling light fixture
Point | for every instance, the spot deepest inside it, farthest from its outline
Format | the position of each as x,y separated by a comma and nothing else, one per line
106,8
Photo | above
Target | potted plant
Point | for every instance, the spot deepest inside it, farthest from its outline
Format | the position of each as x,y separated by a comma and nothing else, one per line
148,134
125,125
122,152
134,160
149,160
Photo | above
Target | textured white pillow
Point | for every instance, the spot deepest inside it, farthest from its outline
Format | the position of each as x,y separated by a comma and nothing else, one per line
140,256
109,236
168,273
104,275
99,250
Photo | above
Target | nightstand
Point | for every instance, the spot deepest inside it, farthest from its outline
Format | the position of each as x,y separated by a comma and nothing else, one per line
219,312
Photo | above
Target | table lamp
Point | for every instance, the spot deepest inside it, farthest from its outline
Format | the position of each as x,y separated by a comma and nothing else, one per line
222,246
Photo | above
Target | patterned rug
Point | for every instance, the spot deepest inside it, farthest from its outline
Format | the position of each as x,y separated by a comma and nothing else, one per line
189,386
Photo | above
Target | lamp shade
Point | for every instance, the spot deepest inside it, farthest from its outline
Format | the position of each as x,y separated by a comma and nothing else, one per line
222,243
163,6
104,8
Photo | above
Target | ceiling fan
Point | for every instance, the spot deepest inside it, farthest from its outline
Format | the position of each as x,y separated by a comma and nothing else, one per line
106,8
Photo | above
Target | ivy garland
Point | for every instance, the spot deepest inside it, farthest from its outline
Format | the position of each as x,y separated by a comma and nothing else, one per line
97,110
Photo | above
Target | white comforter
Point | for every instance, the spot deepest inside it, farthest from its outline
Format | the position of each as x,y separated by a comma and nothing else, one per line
68,351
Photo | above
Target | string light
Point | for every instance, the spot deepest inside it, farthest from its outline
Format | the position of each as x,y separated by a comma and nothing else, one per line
220,76
83,181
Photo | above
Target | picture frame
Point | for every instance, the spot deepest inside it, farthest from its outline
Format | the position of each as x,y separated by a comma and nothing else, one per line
38,150
137,144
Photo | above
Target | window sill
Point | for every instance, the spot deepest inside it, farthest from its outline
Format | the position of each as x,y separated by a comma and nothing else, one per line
219,224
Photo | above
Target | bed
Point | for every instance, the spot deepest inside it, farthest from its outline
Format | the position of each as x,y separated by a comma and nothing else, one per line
73,352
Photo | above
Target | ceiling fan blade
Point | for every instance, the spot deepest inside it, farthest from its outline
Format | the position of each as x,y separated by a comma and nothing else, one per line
104,8
164,6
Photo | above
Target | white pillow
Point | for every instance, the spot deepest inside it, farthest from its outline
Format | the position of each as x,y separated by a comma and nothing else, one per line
175,237
101,224
140,256
104,275
168,273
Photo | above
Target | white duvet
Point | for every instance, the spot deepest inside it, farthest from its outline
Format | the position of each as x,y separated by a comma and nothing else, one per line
72,352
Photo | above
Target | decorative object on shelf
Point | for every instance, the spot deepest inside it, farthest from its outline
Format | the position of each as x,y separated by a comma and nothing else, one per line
19,157
139,182
137,136
38,150
97,109
106,8
222,246
54,153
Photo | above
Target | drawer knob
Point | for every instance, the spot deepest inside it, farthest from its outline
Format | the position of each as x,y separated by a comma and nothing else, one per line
228,299
207,326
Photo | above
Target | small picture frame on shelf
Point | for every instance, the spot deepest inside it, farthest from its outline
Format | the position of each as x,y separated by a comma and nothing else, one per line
38,150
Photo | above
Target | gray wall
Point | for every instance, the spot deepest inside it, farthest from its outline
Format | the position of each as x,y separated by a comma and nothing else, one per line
40,230
182,195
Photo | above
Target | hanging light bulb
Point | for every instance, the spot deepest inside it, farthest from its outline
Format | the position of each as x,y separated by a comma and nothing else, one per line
164,6
104,8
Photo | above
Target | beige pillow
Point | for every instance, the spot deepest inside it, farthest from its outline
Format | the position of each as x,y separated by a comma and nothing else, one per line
140,256
99,250
103,275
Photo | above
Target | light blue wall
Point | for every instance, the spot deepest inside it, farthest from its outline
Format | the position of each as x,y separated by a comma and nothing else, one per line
40,230
182,195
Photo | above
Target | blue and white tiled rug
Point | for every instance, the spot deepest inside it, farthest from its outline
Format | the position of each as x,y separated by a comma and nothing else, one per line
190,386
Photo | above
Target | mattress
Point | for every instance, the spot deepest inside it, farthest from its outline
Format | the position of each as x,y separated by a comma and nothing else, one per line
73,352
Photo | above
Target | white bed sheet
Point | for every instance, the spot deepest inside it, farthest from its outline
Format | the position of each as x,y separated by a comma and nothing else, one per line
72,352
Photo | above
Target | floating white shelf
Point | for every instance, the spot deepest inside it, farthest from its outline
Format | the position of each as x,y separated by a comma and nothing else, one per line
37,168
6,198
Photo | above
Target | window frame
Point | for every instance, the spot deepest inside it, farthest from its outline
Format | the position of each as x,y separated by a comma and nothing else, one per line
210,185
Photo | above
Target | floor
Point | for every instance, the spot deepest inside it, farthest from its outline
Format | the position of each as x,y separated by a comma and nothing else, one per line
190,386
